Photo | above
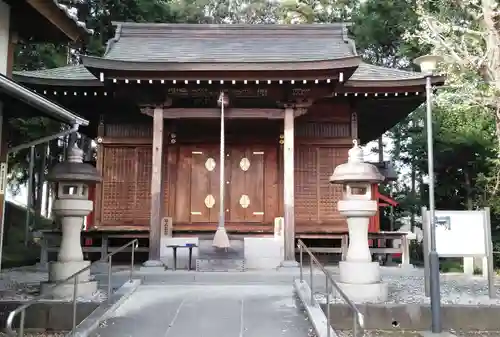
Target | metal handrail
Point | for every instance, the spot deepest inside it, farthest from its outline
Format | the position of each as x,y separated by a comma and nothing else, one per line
358,317
22,309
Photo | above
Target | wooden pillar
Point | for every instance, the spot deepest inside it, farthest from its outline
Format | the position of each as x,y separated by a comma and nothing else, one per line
289,187
156,186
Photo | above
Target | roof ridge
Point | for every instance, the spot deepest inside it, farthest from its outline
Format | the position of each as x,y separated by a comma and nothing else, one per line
172,29
228,26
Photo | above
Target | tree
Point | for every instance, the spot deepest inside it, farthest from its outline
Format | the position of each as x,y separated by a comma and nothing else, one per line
465,33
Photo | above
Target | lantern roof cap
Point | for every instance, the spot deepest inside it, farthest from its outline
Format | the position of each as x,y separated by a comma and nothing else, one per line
356,169
74,169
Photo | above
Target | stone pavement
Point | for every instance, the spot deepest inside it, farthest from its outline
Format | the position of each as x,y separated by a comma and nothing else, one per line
208,311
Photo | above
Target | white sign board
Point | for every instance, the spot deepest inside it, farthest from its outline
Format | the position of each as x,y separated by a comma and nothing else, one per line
460,233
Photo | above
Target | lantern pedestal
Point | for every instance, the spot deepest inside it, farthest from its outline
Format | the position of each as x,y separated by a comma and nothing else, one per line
70,257
359,276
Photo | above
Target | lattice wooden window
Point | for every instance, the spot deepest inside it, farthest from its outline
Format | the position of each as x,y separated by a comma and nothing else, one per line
126,187
118,187
315,198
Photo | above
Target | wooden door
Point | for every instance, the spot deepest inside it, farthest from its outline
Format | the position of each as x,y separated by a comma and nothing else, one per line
204,201
245,184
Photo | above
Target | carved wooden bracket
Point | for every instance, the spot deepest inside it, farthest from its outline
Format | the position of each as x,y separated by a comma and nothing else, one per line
300,106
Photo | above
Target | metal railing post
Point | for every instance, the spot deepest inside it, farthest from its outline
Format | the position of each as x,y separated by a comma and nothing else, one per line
311,279
301,254
327,286
110,262
330,284
132,262
21,310
21,323
355,325
75,294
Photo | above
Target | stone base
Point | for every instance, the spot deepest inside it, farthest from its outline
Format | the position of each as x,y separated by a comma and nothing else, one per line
65,291
263,252
152,266
61,270
289,264
359,272
364,293
215,259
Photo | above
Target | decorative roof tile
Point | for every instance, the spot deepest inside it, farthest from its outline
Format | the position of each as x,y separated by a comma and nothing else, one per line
73,17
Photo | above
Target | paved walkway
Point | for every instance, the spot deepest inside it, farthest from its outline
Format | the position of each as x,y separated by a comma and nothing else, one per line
208,311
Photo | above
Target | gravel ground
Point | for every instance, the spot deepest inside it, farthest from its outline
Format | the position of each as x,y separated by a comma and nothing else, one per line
407,286
23,284
392,333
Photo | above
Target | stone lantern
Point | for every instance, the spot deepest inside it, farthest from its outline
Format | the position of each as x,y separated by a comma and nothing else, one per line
359,276
71,180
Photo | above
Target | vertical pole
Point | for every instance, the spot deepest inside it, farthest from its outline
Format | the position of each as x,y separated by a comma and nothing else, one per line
156,190
311,278
222,159
433,256
75,295
489,253
289,187
327,290
425,249
301,263
3,182
29,203
110,266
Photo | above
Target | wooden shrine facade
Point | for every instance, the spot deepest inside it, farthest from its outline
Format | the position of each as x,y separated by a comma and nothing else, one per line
298,95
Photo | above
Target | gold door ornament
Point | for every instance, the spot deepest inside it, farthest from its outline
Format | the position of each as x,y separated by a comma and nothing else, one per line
244,164
209,201
210,164
244,201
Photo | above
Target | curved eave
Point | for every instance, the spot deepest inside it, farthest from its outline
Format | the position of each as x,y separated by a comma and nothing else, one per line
57,82
16,91
414,82
376,116
108,64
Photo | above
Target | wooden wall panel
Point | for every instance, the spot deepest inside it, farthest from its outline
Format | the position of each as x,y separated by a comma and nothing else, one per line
306,184
126,186
315,198
142,196
271,185
118,186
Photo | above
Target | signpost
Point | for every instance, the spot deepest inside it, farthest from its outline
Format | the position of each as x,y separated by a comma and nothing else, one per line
460,234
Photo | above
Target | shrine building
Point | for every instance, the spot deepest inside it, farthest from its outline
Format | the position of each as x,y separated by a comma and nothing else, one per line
296,95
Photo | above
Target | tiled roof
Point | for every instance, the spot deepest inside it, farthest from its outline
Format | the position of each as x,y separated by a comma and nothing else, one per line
365,73
369,72
199,43
72,16
71,72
